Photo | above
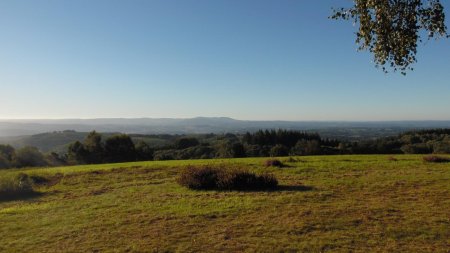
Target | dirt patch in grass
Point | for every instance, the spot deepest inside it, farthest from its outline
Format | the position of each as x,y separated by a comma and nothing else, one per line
392,159
46,181
98,191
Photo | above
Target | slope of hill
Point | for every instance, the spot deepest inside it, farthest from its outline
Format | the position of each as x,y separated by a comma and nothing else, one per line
323,204
58,141
54,141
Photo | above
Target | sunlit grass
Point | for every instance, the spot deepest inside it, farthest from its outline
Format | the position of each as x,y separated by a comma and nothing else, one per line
325,203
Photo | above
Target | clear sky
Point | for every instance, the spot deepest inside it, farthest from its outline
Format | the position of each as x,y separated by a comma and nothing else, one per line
244,59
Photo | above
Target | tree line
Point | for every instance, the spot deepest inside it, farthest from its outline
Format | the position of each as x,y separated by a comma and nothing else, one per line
96,149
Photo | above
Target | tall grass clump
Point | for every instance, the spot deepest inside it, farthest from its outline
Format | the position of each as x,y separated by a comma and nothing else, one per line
219,178
15,186
436,159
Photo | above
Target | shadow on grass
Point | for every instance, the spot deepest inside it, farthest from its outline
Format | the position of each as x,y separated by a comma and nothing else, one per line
436,159
282,166
294,188
24,196
285,166
279,188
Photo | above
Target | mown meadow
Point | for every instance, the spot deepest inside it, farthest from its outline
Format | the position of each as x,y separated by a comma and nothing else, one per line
348,203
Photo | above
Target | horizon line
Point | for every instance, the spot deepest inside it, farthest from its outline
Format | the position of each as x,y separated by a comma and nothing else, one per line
218,117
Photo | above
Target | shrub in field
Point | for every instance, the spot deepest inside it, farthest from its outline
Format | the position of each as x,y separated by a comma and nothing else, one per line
218,178
15,186
273,163
436,159
199,178
245,180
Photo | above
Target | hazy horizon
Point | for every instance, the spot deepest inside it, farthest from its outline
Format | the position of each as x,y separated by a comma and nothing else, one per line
215,117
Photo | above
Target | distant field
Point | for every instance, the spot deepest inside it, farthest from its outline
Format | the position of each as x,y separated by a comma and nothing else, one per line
324,204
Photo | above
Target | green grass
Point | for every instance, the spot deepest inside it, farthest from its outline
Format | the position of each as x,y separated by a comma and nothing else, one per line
325,203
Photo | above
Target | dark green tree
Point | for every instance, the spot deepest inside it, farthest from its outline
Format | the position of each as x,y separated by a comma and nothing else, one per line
29,157
94,147
279,150
224,149
55,159
119,148
186,142
7,151
299,148
313,148
4,163
76,153
391,29
238,150
143,151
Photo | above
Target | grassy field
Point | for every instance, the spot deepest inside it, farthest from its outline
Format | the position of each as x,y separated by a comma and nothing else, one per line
323,204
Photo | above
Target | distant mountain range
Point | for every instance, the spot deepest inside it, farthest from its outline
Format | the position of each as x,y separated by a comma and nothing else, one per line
198,125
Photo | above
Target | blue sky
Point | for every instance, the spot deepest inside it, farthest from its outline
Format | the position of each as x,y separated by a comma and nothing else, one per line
271,60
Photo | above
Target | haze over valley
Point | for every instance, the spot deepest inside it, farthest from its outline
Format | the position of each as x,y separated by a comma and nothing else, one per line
202,125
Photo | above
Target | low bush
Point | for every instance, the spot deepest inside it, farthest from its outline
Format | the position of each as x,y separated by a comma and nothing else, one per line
245,180
199,178
15,186
273,163
436,159
219,178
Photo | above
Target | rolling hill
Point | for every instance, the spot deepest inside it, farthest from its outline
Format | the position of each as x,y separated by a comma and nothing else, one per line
323,204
